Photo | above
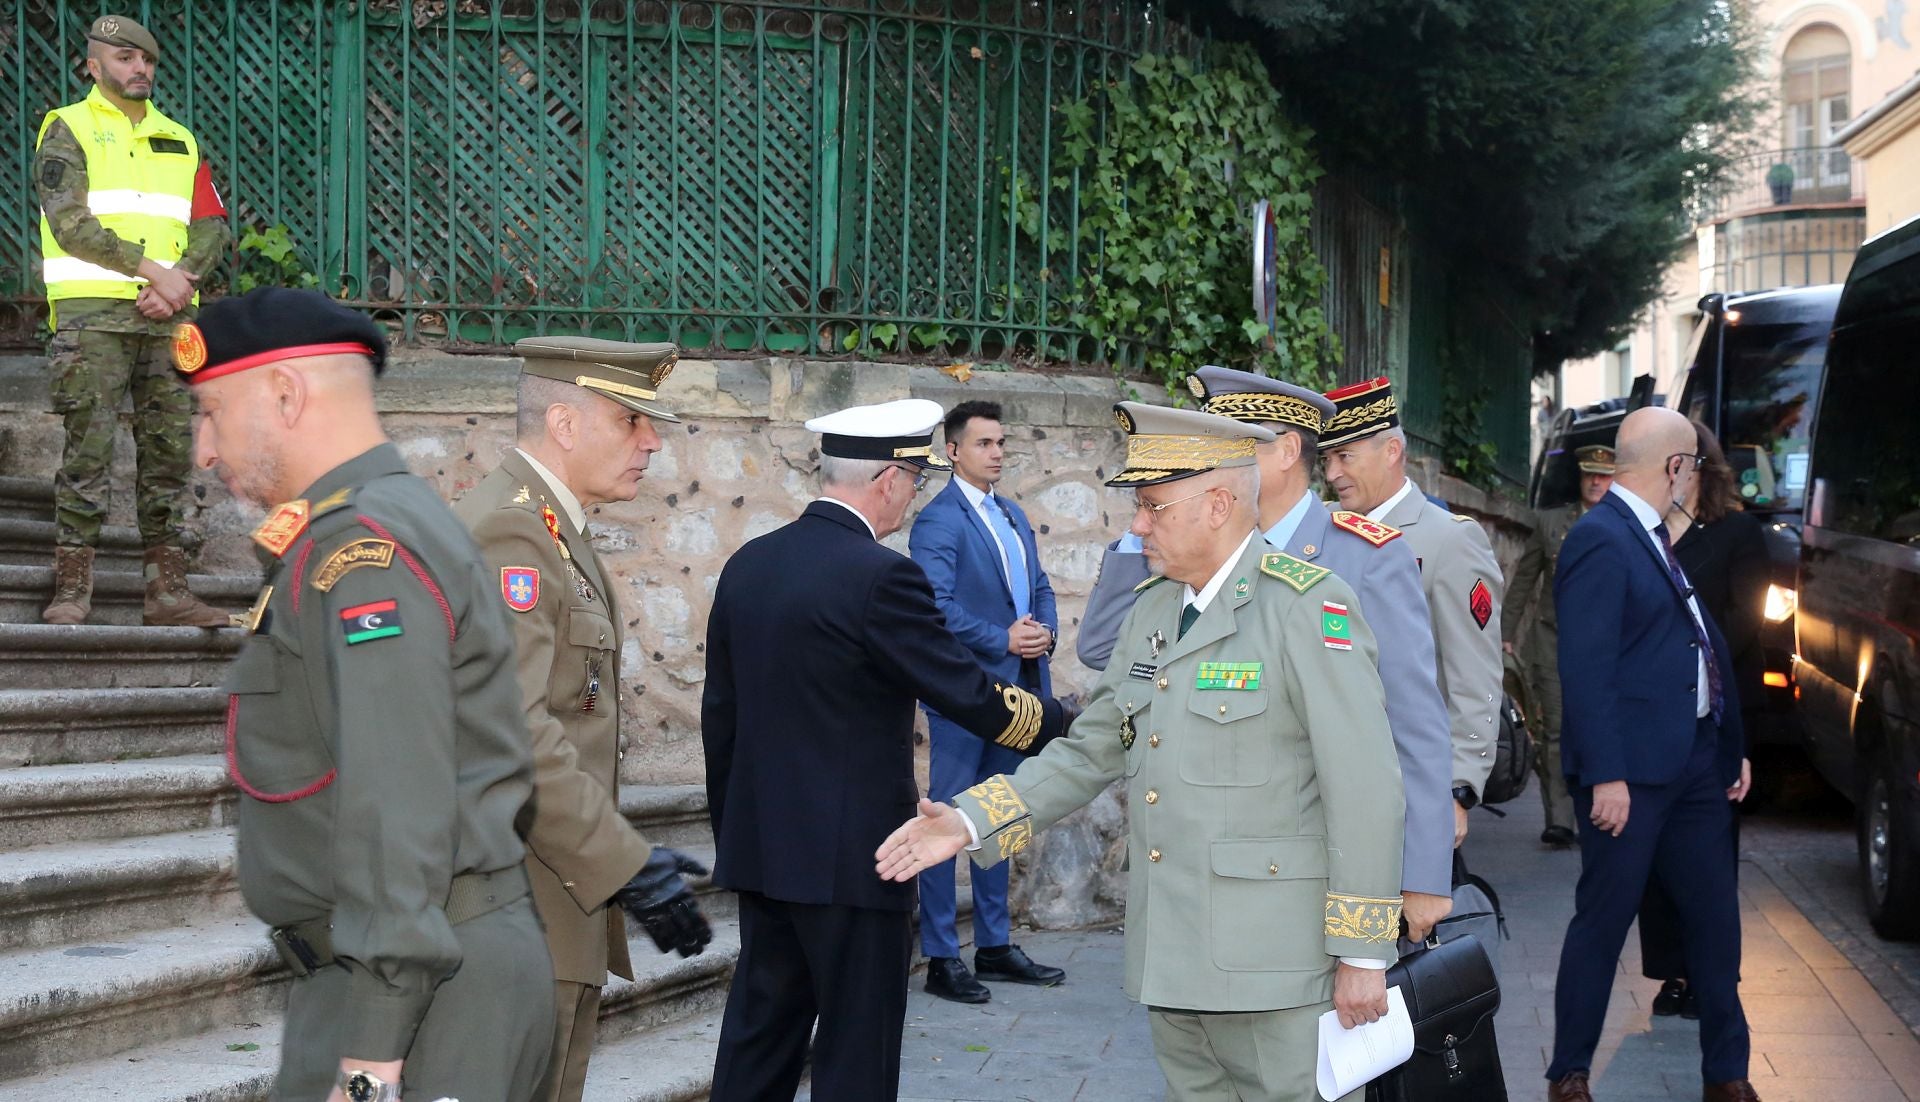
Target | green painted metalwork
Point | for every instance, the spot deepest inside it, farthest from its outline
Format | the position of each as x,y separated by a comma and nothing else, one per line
752,176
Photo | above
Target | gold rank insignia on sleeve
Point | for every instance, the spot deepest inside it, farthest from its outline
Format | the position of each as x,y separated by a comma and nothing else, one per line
359,553
1372,531
333,501
1026,712
283,526
1006,814
1361,918
1298,573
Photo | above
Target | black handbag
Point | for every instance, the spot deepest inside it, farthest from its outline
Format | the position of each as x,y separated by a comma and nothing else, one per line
1451,995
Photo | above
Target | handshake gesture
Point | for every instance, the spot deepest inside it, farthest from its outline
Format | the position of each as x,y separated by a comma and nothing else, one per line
660,900
930,838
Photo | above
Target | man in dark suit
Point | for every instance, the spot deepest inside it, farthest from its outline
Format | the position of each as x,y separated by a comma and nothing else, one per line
819,642
980,556
1654,756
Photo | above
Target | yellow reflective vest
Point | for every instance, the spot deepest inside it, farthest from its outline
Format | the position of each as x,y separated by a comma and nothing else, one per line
139,185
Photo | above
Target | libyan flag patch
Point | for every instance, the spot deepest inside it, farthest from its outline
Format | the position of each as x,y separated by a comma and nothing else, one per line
374,620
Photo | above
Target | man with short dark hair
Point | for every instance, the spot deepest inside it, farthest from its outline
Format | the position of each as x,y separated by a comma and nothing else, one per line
980,556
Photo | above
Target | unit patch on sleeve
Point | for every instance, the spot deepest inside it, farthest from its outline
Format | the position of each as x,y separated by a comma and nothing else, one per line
1336,627
359,553
1480,603
373,620
520,585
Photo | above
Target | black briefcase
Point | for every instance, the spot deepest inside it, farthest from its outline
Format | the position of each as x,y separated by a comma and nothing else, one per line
1451,996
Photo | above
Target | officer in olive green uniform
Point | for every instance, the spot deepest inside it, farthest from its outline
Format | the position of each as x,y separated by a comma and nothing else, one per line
1248,717
375,730
587,410
115,238
1530,601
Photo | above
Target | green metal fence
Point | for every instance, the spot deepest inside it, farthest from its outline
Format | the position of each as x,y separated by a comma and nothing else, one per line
799,177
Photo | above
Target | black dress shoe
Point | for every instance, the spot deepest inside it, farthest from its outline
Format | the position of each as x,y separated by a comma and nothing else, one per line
949,979
1672,998
1008,963
1559,837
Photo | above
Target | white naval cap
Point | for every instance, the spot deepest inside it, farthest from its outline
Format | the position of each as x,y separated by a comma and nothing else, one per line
900,430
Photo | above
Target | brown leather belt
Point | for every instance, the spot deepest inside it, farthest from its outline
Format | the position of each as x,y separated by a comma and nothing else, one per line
307,947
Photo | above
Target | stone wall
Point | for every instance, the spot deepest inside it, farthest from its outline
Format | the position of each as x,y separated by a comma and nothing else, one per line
742,465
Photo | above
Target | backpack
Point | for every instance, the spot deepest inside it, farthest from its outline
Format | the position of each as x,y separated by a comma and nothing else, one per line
1512,759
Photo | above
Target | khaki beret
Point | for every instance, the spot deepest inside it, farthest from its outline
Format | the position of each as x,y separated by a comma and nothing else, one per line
118,30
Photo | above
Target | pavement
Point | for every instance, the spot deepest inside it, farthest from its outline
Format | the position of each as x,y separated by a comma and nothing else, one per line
1821,1029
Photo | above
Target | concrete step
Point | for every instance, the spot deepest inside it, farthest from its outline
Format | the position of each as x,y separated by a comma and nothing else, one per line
137,989
50,726
673,1064
26,498
669,815
29,542
117,595
104,656
64,893
43,804
169,1003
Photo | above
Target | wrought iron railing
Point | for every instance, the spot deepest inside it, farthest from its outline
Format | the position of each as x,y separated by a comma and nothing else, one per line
1786,178
808,177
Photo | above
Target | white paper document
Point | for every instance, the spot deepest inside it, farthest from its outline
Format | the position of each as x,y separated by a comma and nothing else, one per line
1352,1058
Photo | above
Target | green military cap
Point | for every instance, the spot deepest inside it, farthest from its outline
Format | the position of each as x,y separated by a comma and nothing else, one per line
1595,459
118,30
628,373
1165,444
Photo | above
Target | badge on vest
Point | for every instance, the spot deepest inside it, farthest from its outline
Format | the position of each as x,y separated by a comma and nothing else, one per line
1241,676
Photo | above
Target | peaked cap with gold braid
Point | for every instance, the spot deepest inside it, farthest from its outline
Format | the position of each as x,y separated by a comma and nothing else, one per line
1360,410
1165,444
1259,400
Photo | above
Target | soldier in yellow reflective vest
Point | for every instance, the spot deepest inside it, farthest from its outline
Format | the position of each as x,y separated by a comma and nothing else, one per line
129,222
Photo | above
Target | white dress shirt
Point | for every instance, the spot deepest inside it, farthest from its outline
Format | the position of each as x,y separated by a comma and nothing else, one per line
1649,520
855,512
569,504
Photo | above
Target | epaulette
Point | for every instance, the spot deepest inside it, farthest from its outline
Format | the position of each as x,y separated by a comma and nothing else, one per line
1150,581
1298,573
1372,531
1463,518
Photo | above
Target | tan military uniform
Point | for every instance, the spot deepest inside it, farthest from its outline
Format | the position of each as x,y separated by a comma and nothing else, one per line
1464,586
1534,630
1265,816
567,632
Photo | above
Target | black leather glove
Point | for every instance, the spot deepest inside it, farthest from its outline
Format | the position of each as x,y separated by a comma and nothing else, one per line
660,900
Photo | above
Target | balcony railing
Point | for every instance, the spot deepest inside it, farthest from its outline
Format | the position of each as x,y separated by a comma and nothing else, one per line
1786,178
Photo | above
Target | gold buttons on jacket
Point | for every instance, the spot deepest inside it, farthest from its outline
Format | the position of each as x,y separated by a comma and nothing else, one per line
1153,741
1152,796
1163,683
1273,870
1223,709
1153,855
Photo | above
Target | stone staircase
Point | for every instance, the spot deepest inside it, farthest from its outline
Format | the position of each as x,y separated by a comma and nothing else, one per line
129,969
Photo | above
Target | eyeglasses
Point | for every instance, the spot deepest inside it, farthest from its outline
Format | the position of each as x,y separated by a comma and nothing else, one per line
1156,510
1697,459
919,476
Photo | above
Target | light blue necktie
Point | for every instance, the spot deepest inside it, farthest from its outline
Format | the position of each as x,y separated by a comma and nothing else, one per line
1016,558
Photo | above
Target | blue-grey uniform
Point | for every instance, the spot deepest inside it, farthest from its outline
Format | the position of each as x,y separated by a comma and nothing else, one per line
1374,560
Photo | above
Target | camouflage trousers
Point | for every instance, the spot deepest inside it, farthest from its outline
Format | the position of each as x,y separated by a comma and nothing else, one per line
93,370
1543,679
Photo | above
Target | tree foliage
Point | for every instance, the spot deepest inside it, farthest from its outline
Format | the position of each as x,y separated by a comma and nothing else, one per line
1550,147
1169,166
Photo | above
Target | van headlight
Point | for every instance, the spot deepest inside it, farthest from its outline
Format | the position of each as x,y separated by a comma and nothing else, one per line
1780,605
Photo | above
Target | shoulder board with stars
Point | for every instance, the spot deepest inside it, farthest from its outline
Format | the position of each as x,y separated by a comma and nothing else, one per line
1143,586
1298,573
1372,531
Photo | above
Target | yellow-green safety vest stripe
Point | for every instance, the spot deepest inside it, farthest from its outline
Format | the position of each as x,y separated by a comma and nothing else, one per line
142,194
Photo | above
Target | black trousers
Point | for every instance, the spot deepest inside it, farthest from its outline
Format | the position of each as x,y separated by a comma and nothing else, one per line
845,966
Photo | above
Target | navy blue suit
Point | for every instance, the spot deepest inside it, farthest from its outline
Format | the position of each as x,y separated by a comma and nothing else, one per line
952,544
1629,672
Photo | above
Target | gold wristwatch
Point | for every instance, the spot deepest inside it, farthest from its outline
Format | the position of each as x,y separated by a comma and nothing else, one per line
364,1086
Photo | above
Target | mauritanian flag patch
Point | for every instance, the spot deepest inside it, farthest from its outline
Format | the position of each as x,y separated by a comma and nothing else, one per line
373,620
1336,629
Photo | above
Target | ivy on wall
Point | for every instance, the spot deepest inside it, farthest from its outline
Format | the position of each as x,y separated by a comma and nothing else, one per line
1167,188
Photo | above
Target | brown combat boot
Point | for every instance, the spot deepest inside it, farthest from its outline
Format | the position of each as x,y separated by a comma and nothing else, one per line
72,586
169,604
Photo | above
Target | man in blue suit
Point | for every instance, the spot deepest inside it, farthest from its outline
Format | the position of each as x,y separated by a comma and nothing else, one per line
978,551
1654,756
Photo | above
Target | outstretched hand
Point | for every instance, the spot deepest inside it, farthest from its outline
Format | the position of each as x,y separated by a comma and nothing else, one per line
930,838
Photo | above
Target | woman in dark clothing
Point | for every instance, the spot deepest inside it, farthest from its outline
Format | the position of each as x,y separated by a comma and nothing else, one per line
1725,556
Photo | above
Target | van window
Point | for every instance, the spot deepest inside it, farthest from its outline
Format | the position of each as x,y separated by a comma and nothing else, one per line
1772,376
1869,452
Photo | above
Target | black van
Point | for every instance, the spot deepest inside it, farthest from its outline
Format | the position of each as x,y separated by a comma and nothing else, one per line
1858,674
1752,375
